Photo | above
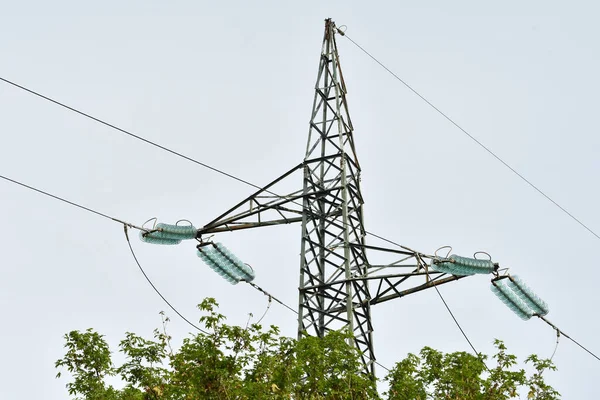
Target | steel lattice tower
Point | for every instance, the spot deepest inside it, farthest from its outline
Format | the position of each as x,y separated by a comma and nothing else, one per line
332,246
335,273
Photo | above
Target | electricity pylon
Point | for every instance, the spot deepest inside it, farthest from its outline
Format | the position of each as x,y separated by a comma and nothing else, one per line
335,274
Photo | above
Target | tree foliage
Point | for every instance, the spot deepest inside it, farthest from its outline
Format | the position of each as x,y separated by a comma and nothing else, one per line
460,375
233,362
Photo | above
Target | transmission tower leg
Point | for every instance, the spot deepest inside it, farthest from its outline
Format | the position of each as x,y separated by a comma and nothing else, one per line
332,243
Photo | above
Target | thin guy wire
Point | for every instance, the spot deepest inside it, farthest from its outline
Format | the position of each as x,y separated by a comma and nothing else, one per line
154,287
461,329
266,311
473,138
556,346
161,147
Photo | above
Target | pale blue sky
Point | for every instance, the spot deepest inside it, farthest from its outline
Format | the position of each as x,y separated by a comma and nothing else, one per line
231,84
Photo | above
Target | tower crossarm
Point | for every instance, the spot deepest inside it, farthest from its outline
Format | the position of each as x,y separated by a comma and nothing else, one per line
407,275
262,208
266,207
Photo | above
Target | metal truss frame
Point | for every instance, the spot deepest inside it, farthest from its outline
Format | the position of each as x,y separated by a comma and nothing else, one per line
337,284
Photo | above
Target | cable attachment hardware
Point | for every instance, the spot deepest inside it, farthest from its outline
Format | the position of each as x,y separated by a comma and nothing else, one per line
489,258
153,225
443,247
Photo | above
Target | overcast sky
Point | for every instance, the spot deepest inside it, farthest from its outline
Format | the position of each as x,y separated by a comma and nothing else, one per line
231,84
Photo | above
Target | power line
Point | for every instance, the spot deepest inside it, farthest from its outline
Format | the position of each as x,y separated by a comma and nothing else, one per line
125,227
140,138
383,366
255,286
186,158
154,287
473,138
58,198
250,283
580,345
568,337
461,329
147,141
258,187
103,122
90,210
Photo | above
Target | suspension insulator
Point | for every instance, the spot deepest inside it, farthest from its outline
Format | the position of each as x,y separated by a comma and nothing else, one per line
155,239
178,232
448,267
511,300
210,256
231,261
538,305
472,265
462,266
